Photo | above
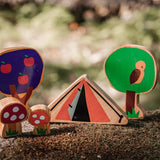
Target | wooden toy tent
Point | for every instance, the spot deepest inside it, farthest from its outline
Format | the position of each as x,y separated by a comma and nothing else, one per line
85,101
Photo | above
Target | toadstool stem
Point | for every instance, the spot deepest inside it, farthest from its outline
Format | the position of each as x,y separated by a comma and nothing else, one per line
44,127
11,126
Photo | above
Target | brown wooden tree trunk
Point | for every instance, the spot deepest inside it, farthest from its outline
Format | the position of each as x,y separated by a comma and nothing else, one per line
25,98
130,101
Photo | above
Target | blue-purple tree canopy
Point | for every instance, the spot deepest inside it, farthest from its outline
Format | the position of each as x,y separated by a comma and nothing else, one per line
22,67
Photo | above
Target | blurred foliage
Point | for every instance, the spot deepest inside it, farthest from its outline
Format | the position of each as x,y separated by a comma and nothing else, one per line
59,75
143,29
24,23
44,26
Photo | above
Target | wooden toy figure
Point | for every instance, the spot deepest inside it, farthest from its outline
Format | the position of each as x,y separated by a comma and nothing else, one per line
84,101
21,71
132,69
12,113
39,117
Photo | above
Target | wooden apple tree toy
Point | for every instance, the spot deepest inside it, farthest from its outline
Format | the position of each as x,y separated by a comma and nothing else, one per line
39,117
21,71
133,70
12,113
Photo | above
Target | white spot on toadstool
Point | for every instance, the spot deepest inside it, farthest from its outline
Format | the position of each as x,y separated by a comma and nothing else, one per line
34,116
37,122
14,117
15,109
42,117
21,116
6,115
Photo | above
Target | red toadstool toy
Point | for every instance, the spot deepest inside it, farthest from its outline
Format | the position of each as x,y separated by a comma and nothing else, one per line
12,113
39,117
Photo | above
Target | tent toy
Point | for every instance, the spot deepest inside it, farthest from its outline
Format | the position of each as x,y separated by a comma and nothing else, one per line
84,101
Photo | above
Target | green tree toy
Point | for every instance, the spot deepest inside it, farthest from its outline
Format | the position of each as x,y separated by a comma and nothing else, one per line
133,70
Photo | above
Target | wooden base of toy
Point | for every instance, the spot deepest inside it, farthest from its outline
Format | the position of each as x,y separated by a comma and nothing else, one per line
131,108
10,130
39,129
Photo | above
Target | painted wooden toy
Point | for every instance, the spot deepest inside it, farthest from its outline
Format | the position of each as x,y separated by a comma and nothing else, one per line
12,113
21,72
132,69
85,101
39,117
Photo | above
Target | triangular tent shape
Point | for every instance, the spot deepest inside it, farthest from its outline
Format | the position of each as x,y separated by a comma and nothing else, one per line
78,110
85,101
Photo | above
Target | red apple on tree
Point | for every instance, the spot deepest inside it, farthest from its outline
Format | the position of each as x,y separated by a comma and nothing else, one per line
23,79
28,61
5,68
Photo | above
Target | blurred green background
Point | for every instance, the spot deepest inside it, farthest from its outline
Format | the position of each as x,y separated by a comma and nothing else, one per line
75,37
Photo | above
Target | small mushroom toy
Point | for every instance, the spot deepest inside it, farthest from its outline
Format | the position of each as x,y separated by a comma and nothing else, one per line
39,117
12,113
